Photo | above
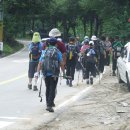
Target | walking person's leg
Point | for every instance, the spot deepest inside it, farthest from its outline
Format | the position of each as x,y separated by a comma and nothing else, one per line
114,62
68,71
72,72
53,83
87,73
47,83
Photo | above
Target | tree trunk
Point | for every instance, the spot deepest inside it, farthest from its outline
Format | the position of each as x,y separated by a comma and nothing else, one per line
65,30
96,25
33,23
91,28
84,25
74,31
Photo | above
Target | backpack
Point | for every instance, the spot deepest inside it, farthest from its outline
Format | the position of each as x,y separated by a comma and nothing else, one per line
71,52
35,51
89,56
51,63
117,48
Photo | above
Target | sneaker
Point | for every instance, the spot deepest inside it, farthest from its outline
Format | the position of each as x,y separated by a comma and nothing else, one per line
29,86
91,80
67,82
50,109
35,88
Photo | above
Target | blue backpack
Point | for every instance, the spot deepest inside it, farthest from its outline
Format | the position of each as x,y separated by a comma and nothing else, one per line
51,63
35,51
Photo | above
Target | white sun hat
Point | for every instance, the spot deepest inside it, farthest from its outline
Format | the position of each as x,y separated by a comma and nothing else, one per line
93,38
91,42
54,33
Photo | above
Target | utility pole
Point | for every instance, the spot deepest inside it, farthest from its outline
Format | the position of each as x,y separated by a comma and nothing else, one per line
1,26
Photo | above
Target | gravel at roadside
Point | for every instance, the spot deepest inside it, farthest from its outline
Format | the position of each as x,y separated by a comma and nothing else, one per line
106,107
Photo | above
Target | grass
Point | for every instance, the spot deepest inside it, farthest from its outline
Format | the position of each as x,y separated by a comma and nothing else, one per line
7,49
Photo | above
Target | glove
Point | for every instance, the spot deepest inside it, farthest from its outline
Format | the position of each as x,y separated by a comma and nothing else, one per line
36,75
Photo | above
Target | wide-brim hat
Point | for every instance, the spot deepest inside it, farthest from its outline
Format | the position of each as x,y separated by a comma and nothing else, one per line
54,33
93,38
36,37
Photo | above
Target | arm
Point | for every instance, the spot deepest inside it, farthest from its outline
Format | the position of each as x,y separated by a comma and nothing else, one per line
64,58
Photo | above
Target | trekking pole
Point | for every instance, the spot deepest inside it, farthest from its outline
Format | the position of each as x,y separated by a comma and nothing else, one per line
78,78
99,78
60,78
98,72
40,89
66,77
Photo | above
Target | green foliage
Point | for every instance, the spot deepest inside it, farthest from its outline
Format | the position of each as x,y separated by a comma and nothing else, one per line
72,17
7,50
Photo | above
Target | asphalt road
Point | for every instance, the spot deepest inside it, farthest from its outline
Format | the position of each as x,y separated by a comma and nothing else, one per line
20,108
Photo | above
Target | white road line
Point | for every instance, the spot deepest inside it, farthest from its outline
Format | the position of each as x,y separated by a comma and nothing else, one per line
5,123
13,79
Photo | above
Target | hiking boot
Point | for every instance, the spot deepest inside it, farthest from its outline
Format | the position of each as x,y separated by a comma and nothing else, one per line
53,104
113,74
67,82
35,88
70,84
91,80
87,82
29,86
50,109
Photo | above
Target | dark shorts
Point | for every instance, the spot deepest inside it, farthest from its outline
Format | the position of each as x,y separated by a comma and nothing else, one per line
32,69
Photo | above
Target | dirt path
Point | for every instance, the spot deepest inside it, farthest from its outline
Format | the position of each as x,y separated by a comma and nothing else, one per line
106,107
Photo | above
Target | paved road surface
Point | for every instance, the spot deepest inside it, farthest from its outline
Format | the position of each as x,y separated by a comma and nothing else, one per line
20,108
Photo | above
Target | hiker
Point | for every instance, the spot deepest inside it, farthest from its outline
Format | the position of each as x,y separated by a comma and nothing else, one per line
50,63
90,60
78,44
35,49
108,49
60,45
82,57
71,59
85,46
100,52
117,47
85,37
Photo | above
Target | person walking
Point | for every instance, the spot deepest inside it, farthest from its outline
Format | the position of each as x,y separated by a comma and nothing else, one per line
90,60
82,57
108,49
35,49
50,62
117,47
60,45
71,59
100,52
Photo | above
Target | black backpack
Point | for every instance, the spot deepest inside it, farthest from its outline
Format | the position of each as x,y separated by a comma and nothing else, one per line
88,57
71,52
51,63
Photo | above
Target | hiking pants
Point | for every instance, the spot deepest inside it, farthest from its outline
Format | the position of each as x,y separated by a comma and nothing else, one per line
114,63
51,84
101,63
90,68
70,68
107,58
32,69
